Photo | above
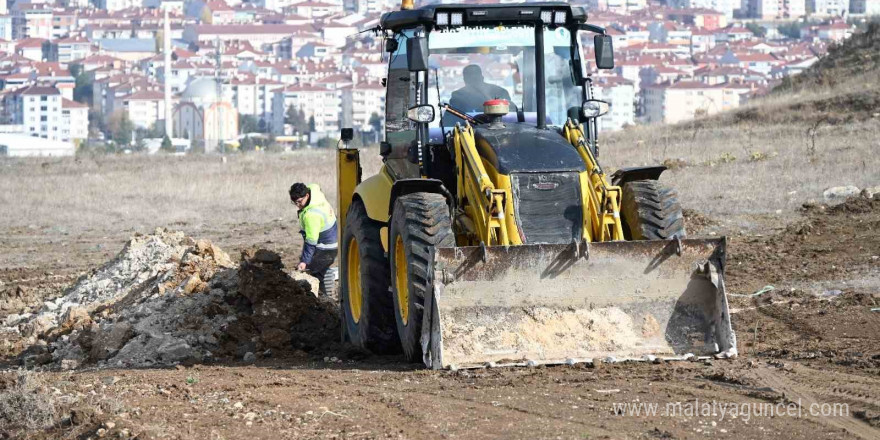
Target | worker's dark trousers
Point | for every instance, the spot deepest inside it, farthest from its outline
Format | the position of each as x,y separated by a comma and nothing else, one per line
320,269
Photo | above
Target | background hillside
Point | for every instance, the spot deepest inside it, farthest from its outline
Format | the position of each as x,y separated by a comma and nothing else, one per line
758,164
843,86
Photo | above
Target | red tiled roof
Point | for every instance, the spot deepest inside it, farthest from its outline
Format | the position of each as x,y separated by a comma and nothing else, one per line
66,103
40,90
145,95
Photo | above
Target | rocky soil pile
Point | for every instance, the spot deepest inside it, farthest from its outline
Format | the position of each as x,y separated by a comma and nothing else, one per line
167,298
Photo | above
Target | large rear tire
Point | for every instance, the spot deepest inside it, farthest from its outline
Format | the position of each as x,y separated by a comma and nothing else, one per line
651,211
367,315
420,222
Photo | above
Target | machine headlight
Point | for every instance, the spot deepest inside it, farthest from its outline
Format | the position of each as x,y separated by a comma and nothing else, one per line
442,19
594,108
547,17
421,113
457,18
559,17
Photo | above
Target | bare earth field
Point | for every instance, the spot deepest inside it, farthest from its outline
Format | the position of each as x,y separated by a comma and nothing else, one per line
810,345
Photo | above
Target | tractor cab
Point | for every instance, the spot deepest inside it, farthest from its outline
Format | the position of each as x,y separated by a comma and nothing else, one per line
447,62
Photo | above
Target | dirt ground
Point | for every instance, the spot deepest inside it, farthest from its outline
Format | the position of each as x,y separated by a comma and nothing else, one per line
810,344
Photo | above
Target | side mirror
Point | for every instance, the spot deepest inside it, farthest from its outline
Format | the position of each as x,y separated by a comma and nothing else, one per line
347,134
604,51
593,108
417,54
384,149
421,113
391,45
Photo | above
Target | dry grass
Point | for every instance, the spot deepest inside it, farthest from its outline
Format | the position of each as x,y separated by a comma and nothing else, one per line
753,169
26,405
144,192
724,172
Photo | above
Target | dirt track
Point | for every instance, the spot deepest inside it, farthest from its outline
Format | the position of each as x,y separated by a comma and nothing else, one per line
813,340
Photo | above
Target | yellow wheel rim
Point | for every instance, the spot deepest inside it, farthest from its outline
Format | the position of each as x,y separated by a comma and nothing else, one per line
355,297
401,280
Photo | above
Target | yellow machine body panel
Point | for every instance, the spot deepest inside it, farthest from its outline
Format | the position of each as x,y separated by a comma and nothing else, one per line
375,192
348,176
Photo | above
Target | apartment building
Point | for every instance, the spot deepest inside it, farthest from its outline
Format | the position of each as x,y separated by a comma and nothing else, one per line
64,22
621,94
686,100
144,107
38,109
322,104
776,9
31,20
827,8
68,50
6,27
865,7
252,96
74,121
360,101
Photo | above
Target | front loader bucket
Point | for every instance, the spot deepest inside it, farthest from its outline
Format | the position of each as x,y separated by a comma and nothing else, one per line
547,304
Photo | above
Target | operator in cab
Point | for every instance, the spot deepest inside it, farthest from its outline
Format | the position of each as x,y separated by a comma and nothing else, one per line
476,91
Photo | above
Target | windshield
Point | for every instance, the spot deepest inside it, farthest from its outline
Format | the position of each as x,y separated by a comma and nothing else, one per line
472,65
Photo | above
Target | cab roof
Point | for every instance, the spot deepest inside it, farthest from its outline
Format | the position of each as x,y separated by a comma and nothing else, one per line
485,15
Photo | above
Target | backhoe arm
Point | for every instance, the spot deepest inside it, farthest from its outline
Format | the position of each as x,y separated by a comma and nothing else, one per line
481,201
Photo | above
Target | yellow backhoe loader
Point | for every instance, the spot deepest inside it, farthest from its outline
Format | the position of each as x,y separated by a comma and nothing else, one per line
492,235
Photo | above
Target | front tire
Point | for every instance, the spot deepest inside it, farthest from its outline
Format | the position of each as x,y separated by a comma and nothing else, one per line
367,315
651,211
420,222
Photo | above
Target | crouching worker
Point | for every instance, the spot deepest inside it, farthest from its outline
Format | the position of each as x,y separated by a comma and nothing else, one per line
318,223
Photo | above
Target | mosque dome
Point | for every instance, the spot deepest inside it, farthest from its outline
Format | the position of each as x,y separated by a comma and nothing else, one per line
202,90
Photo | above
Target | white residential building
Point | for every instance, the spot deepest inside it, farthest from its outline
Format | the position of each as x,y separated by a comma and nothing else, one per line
252,96
776,9
833,8
764,9
360,102
6,27
144,107
686,100
621,95
866,7
116,5
375,6
74,121
724,6
322,104
31,20
69,49
315,9
38,108
794,8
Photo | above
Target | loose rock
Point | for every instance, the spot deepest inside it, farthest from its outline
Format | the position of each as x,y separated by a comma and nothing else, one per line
839,194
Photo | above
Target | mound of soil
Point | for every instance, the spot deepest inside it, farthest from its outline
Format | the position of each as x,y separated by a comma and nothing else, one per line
283,312
832,243
167,299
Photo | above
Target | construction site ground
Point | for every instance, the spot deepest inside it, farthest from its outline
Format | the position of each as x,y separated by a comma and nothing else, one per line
809,345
